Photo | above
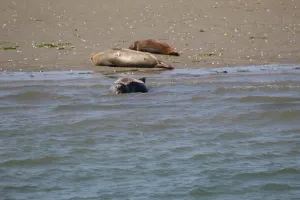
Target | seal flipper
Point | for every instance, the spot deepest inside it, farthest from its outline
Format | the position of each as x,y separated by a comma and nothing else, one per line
106,63
143,79
163,65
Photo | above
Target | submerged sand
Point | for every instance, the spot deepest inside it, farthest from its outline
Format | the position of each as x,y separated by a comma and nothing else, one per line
207,33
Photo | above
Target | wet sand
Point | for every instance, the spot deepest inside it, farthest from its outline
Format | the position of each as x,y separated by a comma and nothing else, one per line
207,33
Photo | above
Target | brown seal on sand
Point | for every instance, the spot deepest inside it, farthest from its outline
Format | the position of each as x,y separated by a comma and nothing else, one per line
153,46
129,85
118,57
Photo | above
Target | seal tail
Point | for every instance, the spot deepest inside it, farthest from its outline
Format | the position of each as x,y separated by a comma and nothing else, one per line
164,66
174,53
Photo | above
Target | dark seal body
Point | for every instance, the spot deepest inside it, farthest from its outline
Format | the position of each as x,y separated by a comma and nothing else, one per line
153,46
129,85
127,58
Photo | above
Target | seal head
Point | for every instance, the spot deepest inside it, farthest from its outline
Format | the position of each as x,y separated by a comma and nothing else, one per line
120,88
129,85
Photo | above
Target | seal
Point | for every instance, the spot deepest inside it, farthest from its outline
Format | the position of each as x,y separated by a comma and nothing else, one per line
222,72
129,85
119,57
153,46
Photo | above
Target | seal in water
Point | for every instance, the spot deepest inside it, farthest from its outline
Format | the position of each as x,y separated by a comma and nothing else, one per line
119,57
129,85
153,46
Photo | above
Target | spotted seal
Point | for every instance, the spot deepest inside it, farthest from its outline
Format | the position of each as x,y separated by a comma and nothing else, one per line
153,46
119,57
129,85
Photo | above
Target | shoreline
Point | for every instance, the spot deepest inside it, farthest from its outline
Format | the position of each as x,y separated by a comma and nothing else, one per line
208,34
112,71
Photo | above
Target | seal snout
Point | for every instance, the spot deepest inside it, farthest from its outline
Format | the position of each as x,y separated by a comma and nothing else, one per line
131,47
174,53
92,57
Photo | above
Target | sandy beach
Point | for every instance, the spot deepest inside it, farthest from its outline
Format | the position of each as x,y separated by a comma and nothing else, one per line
207,33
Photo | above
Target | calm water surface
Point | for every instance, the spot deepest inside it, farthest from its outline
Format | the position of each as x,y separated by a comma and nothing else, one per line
197,134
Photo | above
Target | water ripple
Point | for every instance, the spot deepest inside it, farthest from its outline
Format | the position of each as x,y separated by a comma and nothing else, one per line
266,174
195,134
32,162
34,97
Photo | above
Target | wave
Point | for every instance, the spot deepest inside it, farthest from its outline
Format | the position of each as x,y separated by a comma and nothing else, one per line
201,156
83,150
64,86
278,187
233,136
279,115
269,99
266,174
32,162
18,108
250,88
180,149
85,107
20,187
291,131
34,96
31,188
200,191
